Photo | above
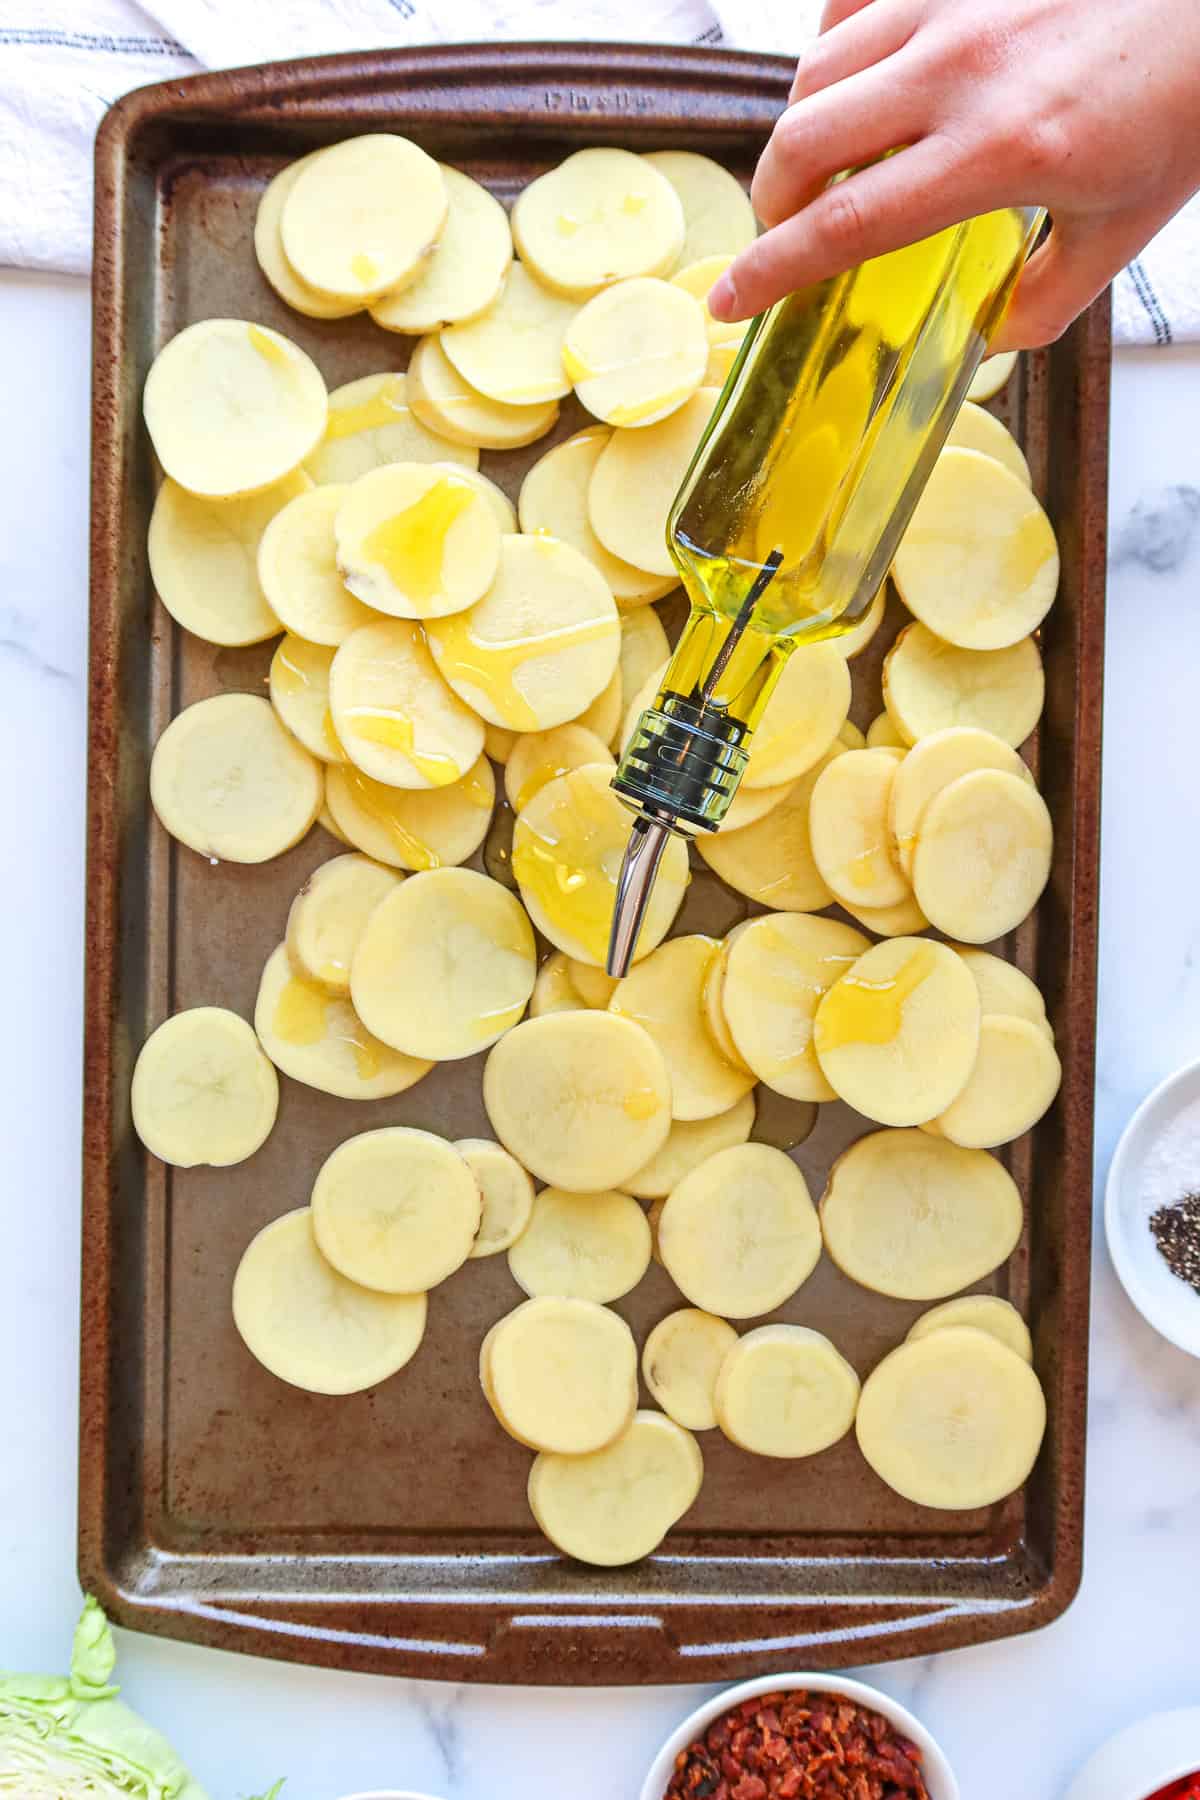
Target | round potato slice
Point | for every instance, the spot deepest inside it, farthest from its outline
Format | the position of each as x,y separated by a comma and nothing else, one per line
932,765
451,407
636,351
991,375
616,1505
228,781
1013,1084
739,1234
581,1099
776,972
601,216
498,742
568,843
771,861
916,1217
1003,988
928,684
644,648
541,756
409,829
370,424
554,991
329,915
394,715
848,825
503,508
299,688
417,541
395,1210
554,501
466,271
317,1037
582,1246
882,734
203,1092
898,1033
203,559
311,1327
513,352
561,1374
713,999
594,986
326,821
268,248
786,1391
952,1421
636,478
983,855
984,1312
603,716
803,716
718,218
749,805
363,216
681,1360
445,964
506,1190
663,994
689,1143
975,429
297,569
905,919
232,407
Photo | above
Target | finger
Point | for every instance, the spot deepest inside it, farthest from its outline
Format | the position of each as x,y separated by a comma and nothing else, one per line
866,34
1060,279
851,123
835,11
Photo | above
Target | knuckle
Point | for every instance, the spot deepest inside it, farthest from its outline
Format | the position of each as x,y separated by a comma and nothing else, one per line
1045,146
844,226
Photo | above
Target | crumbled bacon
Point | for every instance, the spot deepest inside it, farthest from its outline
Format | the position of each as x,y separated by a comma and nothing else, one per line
799,1746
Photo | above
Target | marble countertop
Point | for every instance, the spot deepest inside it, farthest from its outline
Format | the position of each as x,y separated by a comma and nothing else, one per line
1125,1648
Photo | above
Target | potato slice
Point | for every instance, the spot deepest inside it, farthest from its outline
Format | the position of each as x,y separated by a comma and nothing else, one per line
712,1000
749,805
371,423
554,991
739,1234
581,1099
854,641
689,1143
928,684
506,1191
327,822
582,1246
616,1505
905,919
636,478
554,501
975,429
299,688
600,216
932,765
364,216
297,569
203,559
203,1092
771,861
409,829
983,855
883,735
417,541
984,1312
395,1210
594,986
396,718
785,1391
328,917
916,1217
897,1035
603,716
644,648
232,407
268,248
568,843
1013,1084
991,375
445,965
451,407
513,352
503,508
318,1038
803,716
498,742
228,781
1003,988
848,825
777,970
952,1421
681,1360
541,644
645,697
541,756
636,351
663,994
561,1374
466,271
718,218
311,1327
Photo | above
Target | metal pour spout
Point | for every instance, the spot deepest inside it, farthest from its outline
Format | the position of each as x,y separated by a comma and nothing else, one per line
643,853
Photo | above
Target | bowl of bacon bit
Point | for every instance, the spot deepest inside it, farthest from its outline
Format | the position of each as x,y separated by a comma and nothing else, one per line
1156,1759
820,1736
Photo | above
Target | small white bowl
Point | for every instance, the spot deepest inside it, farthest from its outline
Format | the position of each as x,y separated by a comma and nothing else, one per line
1142,1161
939,1776
1142,1758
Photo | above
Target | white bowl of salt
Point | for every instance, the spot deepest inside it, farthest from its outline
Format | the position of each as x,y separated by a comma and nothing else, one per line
1152,1209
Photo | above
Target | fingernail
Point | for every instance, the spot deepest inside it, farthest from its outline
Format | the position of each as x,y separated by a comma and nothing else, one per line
722,298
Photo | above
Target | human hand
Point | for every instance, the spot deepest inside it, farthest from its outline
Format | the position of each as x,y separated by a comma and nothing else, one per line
1090,108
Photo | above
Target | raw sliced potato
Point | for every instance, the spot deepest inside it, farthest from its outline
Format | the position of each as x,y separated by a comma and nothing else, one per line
311,1327
664,994
203,559
299,688
681,1360
513,352
228,781
232,407
581,1099
203,1091
931,765
554,501
983,1312
616,1505
268,249
1003,988
636,351
848,825
603,716
506,1192
498,742
329,915
928,684
718,219
445,964
600,216
785,1391
594,986
975,429
739,1234
775,974
568,843
772,861
688,1144
637,476
850,735
561,1374
497,499
317,1037
554,991
749,805
713,1000
327,822
917,1217
298,573
466,271
541,644
905,919
953,1421
582,1246
364,216
371,423
417,541
1013,1084
408,828
394,715
803,716
451,407
982,857
541,756
641,702
897,1035
883,735
395,1210
991,375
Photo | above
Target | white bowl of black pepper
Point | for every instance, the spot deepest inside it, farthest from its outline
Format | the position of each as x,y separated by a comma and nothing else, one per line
1152,1209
